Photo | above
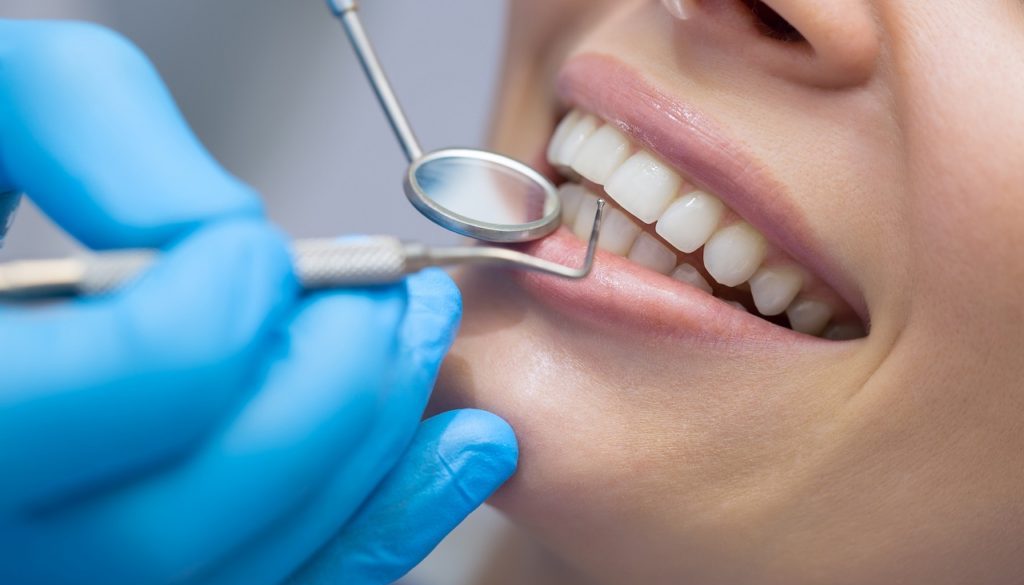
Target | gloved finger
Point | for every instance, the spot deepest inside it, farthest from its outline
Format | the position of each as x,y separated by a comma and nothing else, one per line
89,131
456,461
94,389
427,332
320,394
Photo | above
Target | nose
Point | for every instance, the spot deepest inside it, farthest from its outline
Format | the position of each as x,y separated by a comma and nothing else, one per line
843,35
827,43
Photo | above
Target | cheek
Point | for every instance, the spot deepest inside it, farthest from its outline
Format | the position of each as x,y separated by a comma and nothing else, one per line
964,145
962,119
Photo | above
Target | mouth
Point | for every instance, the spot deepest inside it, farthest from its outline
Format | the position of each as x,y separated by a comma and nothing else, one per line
697,236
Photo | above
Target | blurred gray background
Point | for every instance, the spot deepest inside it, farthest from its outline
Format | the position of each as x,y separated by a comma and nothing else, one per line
273,90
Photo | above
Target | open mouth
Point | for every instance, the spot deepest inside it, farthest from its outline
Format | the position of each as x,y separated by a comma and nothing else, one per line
665,220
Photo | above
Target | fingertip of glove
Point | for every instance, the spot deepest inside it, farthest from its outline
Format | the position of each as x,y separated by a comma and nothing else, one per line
478,446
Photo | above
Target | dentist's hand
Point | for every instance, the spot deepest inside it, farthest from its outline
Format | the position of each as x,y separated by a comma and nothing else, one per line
209,424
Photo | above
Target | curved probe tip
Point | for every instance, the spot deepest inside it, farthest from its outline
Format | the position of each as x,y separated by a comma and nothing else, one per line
595,234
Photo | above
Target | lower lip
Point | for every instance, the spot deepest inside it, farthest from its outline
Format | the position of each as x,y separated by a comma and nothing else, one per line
622,296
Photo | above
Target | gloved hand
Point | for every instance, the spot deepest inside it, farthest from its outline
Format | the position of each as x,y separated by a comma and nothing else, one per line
210,423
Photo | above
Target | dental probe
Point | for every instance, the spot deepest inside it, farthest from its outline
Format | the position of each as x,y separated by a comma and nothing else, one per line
320,264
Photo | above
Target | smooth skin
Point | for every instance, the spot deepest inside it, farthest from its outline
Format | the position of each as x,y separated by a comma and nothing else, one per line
897,128
210,423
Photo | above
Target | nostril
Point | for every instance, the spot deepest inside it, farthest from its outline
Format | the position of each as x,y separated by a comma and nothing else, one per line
771,24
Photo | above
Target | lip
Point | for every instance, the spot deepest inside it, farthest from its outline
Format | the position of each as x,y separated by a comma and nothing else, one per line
626,295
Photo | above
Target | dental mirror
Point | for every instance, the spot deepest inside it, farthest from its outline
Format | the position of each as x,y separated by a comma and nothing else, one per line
475,193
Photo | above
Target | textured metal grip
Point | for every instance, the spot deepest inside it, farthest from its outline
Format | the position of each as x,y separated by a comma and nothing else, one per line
319,264
365,261
113,270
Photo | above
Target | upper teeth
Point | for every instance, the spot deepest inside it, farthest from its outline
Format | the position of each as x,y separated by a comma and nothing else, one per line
734,253
691,220
684,218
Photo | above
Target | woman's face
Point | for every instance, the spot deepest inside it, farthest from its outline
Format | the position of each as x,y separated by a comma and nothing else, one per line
866,156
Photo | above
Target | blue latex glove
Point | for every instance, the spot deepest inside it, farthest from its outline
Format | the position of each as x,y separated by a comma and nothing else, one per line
208,424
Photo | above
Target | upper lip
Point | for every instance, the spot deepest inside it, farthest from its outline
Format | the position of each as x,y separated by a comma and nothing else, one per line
699,148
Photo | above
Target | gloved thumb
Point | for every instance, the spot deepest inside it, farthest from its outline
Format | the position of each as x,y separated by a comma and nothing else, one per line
455,462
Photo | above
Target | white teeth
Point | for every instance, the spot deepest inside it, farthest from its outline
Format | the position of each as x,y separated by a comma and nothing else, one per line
584,222
618,233
689,222
808,316
571,195
775,288
566,126
563,149
603,152
845,332
734,253
690,275
650,253
644,186
648,190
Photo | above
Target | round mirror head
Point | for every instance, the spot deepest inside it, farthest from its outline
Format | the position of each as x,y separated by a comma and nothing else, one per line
484,195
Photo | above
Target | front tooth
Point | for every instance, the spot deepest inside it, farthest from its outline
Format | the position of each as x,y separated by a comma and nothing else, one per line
809,316
571,195
734,253
573,140
690,221
601,154
561,133
584,222
845,332
650,253
644,186
775,288
690,275
618,233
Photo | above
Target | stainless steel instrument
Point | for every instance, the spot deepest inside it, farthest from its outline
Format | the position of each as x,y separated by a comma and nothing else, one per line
319,264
